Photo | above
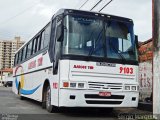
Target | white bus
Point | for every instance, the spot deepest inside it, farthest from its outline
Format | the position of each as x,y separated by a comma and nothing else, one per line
80,59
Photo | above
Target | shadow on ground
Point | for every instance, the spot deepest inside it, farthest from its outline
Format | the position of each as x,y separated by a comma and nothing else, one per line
81,112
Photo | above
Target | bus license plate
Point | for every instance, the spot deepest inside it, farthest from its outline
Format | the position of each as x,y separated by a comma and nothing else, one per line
107,94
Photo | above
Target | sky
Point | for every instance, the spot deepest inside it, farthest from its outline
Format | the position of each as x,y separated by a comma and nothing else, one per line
26,17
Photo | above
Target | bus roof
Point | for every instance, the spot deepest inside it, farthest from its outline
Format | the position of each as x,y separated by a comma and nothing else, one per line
91,13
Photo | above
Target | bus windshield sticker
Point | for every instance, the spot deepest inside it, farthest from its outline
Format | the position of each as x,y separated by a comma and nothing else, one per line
105,64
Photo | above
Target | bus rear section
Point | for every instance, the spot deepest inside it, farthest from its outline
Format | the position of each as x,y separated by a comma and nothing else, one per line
97,84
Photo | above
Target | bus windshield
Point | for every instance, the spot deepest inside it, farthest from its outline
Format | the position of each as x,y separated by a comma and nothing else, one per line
92,36
120,40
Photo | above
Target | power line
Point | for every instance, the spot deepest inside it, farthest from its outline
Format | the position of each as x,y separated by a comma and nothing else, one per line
18,14
96,5
105,5
83,4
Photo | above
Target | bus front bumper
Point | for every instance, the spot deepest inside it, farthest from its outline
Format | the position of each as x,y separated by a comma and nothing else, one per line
91,98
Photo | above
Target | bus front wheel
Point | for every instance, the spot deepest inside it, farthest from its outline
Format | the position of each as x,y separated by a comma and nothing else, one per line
49,107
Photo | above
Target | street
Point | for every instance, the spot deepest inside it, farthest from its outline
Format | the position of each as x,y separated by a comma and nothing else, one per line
12,107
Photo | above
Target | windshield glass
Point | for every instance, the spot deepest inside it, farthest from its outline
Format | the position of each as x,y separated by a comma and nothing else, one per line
92,36
120,40
83,34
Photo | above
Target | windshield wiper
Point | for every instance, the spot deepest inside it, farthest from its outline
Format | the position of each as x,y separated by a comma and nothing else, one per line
117,51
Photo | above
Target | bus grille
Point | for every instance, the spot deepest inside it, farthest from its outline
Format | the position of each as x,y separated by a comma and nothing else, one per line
105,86
96,99
103,102
95,96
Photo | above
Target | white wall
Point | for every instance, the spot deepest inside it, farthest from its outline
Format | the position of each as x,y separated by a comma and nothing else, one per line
145,79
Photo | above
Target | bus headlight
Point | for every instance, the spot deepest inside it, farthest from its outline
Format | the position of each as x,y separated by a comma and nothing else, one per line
80,85
127,87
73,85
133,87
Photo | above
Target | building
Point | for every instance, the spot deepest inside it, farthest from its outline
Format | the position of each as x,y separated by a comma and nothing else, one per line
145,70
7,51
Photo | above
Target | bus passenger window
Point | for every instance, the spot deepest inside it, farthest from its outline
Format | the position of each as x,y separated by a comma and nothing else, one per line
38,43
29,47
24,53
19,56
42,40
33,46
46,36
15,59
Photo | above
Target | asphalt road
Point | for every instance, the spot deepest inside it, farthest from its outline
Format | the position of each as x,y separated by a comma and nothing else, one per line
11,107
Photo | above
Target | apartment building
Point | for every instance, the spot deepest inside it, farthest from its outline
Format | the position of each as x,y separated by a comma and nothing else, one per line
7,51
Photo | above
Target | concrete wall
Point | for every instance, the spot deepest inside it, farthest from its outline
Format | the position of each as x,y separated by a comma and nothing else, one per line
145,69
145,79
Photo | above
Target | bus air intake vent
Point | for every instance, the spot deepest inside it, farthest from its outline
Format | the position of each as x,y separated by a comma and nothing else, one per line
95,96
103,102
105,86
96,99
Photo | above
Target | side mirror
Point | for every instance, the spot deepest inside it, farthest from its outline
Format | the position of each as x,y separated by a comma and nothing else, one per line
59,31
136,40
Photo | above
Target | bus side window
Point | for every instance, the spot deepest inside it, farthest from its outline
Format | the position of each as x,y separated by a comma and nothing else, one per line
15,59
29,48
46,36
24,53
42,40
19,56
33,46
38,43
52,41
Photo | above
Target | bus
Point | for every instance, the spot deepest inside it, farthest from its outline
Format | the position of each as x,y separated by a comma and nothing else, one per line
80,59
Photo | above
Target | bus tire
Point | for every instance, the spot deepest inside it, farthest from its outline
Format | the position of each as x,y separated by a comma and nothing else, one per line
50,108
